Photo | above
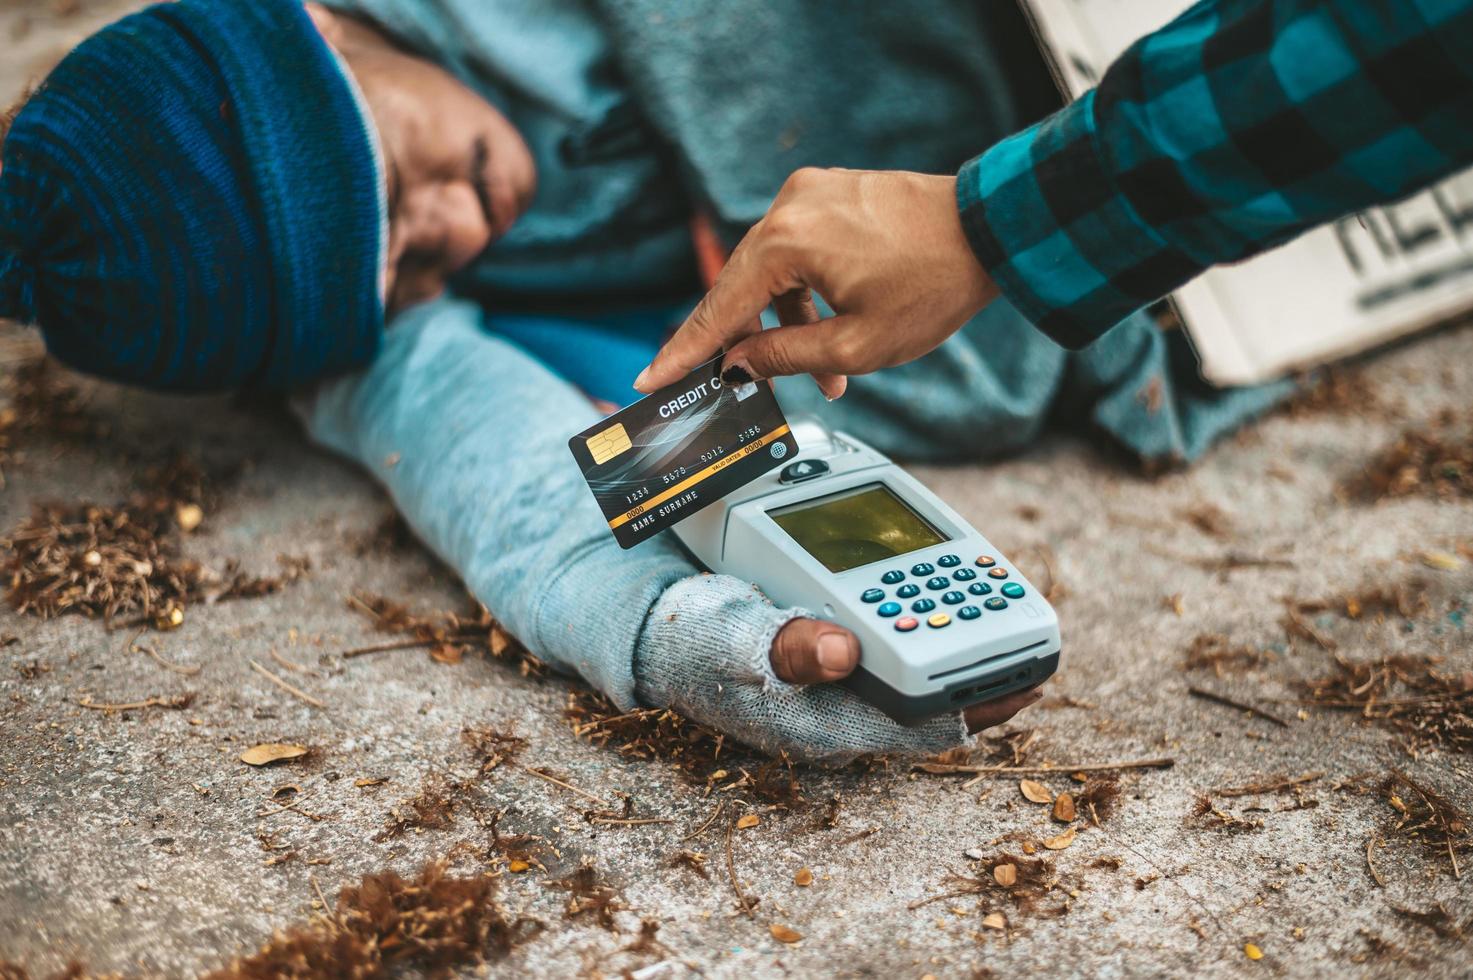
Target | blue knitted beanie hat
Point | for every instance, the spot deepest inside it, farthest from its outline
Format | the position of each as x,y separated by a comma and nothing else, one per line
192,202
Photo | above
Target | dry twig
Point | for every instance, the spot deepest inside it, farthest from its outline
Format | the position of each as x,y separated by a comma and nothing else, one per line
1226,701
288,688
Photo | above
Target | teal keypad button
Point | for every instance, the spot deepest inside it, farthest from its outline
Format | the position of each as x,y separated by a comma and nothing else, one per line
921,569
969,612
952,598
979,588
938,583
872,595
892,576
996,602
948,561
923,605
1013,590
889,609
908,591
963,574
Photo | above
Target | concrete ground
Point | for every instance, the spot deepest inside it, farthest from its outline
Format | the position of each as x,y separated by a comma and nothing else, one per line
136,842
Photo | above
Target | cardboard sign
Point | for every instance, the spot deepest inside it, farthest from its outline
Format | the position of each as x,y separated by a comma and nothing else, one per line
1335,291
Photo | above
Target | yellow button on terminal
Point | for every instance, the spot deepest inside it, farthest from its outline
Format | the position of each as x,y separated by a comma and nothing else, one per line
939,620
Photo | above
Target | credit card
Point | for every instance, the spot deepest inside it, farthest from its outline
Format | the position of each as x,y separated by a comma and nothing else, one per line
673,452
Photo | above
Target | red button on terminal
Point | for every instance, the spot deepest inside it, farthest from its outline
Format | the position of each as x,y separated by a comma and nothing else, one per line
906,623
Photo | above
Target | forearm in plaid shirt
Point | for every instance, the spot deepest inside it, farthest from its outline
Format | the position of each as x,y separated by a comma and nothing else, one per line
1231,130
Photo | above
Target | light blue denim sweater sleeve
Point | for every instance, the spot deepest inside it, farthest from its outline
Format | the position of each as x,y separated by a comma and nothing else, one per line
469,435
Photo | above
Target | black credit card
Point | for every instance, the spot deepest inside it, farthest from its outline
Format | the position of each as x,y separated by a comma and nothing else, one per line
686,446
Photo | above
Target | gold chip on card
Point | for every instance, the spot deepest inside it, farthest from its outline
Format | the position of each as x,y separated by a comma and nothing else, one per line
608,443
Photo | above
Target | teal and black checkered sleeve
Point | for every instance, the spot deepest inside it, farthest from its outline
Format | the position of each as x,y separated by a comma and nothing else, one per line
1236,127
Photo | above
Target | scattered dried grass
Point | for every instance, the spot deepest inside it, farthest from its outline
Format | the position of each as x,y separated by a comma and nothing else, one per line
106,562
492,747
434,807
384,925
590,896
1099,797
1218,653
1334,391
692,861
1206,815
1210,520
1409,695
1425,818
702,754
525,850
1031,882
1405,599
1433,461
110,561
448,636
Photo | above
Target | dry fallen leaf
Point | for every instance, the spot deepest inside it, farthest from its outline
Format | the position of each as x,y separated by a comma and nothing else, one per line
1442,561
1060,842
803,878
188,516
994,920
783,934
1028,847
1006,875
517,867
1035,792
1064,808
268,752
370,781
499,641
748,820
1252,952
446,653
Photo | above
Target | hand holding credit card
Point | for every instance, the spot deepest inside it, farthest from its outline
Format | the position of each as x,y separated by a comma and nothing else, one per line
679,449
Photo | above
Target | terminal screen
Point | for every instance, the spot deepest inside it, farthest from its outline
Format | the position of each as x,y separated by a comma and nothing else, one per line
855,527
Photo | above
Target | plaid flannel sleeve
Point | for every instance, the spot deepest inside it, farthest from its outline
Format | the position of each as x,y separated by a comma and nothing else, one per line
1231,130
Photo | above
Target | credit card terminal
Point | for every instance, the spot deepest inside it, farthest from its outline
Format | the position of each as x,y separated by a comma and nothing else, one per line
944,620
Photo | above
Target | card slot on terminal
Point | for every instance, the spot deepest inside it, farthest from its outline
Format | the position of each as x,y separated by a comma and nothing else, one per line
986,660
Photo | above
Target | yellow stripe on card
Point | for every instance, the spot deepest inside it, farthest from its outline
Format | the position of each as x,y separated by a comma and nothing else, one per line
692,480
